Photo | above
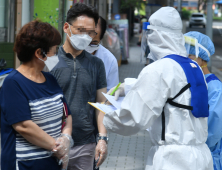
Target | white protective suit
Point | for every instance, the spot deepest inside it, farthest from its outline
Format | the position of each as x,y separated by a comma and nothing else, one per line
184,147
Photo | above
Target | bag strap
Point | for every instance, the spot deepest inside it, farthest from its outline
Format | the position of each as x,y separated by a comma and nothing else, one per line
181,91
163,126
171,102
65,111
180,105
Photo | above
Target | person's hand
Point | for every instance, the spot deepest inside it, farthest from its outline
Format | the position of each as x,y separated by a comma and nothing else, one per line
101,152
119,92
64,161
63,145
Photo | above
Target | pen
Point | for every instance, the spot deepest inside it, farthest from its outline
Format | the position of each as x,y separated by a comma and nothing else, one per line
113,91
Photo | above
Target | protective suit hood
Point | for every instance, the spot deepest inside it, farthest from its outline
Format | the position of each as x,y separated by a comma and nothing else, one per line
166,36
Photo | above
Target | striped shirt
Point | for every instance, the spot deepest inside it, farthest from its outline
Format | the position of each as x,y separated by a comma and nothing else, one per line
47,114
26,100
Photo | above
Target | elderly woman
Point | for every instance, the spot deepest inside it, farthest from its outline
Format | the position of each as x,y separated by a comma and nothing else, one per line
33,107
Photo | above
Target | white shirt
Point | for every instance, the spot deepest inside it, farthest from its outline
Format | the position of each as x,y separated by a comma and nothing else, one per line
111,66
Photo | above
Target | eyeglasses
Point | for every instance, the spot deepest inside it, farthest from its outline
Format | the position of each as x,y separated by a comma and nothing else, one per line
92,34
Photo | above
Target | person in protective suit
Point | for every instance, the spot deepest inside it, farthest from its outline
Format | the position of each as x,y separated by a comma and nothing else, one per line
201,52
170,98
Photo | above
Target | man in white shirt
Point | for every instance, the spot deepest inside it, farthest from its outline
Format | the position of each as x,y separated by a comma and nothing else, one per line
109,60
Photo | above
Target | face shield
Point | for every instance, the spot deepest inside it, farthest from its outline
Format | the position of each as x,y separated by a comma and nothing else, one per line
144,45
192,46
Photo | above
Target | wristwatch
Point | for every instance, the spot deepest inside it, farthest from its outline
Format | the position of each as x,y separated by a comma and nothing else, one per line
103,138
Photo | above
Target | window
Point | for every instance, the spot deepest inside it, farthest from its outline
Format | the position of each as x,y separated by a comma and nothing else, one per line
197,15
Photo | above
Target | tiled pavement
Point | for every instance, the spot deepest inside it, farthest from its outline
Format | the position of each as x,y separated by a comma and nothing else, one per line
133,68
128,152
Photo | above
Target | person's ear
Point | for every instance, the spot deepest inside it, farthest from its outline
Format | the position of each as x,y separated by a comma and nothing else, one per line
66,28
38,53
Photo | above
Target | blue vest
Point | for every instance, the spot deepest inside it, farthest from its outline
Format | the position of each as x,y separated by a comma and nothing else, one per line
198,88
5,71
211,77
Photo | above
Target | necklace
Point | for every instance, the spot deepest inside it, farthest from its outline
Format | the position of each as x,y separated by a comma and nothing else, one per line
24,72
38,77
204,66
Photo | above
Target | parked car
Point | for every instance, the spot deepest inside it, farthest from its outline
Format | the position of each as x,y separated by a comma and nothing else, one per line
197,19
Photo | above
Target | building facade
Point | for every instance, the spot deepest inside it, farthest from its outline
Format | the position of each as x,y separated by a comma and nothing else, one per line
190,4
16,13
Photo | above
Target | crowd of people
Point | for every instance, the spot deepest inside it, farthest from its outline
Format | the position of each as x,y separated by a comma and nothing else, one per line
47,123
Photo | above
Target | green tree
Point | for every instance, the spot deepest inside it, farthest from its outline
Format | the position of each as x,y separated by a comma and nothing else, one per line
132,4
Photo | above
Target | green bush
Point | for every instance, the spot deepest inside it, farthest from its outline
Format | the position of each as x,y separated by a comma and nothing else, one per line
217,18
185,14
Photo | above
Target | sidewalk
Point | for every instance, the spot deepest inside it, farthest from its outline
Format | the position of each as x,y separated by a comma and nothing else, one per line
128,152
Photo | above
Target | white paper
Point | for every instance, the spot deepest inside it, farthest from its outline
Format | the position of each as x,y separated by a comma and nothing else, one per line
104,108
111,99
107,108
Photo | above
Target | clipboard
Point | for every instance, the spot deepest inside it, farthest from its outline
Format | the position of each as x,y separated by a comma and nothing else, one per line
103,108
92,104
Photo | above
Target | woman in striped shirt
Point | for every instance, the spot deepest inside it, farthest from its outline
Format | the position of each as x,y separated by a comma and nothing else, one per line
32,105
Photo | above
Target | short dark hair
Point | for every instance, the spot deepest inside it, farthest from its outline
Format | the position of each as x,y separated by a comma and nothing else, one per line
79,9
34,35
103,25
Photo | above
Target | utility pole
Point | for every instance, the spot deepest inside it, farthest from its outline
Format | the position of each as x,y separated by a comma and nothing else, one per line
61,16
110,8
179,5
209,30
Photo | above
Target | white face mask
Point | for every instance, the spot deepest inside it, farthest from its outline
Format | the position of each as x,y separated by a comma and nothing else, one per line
51,62
79,41
91,48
